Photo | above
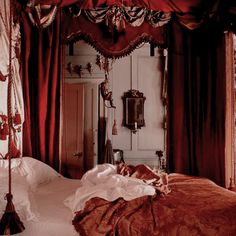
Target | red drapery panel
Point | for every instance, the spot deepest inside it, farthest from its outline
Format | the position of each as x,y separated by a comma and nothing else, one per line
41,89
196,107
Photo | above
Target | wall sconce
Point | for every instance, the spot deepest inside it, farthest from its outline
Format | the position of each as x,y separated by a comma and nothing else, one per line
133,107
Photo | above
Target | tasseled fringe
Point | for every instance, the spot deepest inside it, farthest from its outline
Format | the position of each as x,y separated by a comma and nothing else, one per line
10,222
15,152
17,118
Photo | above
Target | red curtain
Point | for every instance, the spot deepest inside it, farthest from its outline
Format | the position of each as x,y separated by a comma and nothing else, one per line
196,107
41,66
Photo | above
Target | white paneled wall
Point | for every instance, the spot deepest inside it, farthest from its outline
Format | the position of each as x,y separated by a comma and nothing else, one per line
137,71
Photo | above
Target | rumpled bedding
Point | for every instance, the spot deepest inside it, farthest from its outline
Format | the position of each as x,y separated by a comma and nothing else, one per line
159,180
194,207
104,182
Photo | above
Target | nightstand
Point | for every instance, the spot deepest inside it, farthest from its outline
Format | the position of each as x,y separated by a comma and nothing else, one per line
232,187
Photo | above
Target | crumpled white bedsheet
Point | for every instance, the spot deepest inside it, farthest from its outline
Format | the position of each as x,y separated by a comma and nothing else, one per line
104,182
54,218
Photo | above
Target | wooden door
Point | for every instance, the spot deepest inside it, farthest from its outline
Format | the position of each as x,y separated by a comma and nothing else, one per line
73,131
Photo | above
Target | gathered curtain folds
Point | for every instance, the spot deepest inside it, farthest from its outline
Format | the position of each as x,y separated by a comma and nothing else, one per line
39,18
41,71
181,6
115,32
132,15
196,102
191,14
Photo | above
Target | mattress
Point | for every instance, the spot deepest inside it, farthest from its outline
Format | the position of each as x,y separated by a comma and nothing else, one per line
54,218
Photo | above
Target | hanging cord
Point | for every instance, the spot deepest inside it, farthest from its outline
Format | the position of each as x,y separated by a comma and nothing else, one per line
9,94
10,222
114,127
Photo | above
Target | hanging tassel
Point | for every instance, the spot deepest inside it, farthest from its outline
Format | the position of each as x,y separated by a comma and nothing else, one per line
17,118
2,77
14,151
114,127
4,131
2,136
10,222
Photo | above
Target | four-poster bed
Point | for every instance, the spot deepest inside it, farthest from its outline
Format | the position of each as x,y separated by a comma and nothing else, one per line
103,216
195,36
104,202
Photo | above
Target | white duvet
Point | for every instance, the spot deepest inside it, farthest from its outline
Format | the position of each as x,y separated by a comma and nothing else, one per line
104,182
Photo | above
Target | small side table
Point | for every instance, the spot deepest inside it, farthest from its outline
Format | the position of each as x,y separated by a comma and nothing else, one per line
232,187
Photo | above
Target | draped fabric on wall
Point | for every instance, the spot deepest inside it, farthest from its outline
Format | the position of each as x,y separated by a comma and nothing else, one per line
41,67
196,90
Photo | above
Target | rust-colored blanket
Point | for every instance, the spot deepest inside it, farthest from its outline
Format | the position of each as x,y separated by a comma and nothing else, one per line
194,207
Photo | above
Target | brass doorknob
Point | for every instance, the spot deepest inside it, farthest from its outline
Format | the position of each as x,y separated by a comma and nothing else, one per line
78,154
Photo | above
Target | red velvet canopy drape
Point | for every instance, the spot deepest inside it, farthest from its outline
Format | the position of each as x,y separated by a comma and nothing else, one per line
41,67
196,91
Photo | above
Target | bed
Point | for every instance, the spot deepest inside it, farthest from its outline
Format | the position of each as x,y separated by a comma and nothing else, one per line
182,206
38,195
107,201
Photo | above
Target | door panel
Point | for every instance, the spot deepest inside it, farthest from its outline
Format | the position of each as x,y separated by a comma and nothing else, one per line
73,131
90,124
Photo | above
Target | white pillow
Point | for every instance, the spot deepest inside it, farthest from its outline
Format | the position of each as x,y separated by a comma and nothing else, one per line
36,172
22,197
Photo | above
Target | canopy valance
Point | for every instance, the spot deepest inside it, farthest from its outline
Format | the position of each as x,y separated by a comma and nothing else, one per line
116,27
115,31
180,6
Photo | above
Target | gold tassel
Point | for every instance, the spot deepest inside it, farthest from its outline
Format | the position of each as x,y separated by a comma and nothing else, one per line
114,128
